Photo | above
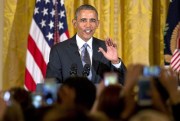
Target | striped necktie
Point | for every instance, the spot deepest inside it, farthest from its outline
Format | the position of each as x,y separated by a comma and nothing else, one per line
86,58
85,55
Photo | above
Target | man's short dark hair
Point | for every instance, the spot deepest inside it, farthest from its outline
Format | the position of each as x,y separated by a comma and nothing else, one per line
85,7
85,91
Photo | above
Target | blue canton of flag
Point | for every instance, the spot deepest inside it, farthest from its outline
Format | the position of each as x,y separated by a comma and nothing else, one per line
44,16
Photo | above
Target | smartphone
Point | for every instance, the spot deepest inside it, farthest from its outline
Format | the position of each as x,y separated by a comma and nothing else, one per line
37,100
144,91
151,71
49,91
7,98
110,78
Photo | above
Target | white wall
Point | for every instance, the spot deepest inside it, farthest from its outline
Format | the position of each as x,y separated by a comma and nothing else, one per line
1,39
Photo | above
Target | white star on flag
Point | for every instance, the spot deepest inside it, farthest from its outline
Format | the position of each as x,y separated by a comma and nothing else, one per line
45,11
36,10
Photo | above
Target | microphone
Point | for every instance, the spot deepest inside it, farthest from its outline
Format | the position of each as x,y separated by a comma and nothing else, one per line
86,70
73,71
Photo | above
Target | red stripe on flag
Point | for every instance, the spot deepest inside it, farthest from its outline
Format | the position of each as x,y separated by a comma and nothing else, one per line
173,56
175,61
174,67
67,33
37,55
29,82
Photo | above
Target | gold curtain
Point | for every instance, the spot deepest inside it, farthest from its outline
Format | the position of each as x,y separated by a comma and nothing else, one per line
135,25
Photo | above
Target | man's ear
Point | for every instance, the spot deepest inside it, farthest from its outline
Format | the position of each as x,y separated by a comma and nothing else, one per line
74,22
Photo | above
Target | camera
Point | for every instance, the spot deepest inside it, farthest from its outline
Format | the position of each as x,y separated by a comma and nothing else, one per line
153,71
110,78
37,100
46,93
49,91
144,91
7,97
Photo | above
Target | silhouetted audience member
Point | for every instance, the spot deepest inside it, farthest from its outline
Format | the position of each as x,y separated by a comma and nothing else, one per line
162,88
22,96
149,115
24,99
12,111
79,100
98,116
77,91
169,80
39,113
61,113
109,101
2,107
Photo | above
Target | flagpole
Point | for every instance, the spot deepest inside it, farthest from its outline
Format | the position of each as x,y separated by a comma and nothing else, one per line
56,31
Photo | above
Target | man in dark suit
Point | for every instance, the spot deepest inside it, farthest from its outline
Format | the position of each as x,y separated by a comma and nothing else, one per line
103,54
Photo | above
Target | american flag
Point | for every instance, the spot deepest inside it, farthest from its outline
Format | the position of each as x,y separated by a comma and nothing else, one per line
175,60
48,27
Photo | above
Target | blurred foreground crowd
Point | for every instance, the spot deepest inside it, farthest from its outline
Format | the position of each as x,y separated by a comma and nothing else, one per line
141,98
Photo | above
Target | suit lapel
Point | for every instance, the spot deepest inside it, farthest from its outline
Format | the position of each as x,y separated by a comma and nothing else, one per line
75,56
96,57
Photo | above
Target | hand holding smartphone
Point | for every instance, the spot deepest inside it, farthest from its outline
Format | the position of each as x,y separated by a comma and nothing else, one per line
46,94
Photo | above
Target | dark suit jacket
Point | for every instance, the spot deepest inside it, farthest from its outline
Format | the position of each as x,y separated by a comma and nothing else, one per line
66,53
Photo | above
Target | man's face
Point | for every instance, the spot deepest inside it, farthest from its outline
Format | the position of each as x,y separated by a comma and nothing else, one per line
86,24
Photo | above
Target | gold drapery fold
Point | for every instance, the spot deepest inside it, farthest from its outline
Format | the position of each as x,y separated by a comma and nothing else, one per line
135,25
18,16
